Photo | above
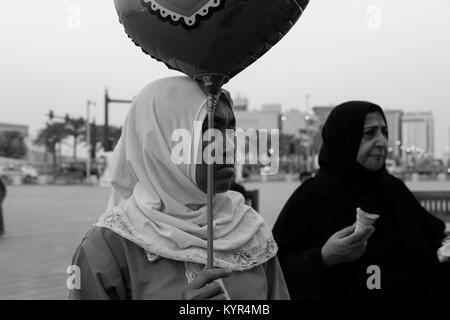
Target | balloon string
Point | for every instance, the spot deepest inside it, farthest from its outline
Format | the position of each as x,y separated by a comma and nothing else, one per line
210,186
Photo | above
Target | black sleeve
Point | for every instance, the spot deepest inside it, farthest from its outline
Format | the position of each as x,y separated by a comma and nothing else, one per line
303,271
433,230
301,260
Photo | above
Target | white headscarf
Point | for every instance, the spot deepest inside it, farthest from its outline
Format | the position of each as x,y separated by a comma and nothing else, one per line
156,203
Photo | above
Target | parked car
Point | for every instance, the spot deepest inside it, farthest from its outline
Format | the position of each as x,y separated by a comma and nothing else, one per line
8,173
78,169
23,173
29,174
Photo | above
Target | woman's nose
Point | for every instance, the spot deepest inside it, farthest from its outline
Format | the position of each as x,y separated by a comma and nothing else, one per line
381,140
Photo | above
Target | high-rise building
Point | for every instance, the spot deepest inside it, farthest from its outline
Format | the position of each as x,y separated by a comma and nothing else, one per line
240,103
394,123
447,153
418,133
267,118
292,122
271,108
322,113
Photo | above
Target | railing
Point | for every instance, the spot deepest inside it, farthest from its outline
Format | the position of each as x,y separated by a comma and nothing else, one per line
437,203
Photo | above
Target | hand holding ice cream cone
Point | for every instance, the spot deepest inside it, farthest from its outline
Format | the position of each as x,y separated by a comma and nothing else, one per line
444,251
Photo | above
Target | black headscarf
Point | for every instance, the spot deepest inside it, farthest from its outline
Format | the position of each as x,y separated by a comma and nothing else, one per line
342,180
345,185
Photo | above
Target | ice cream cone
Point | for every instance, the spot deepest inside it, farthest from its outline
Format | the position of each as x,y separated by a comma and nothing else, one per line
364,220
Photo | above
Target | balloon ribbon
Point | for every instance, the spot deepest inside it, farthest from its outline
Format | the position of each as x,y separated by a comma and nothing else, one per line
212,84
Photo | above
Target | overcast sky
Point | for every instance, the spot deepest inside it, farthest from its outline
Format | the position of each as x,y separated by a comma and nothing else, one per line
337,51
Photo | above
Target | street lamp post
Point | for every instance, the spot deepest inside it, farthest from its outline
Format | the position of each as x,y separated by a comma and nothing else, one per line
308,144
308,140
88,135
108,100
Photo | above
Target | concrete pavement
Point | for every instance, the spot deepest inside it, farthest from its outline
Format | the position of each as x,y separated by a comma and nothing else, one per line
44,224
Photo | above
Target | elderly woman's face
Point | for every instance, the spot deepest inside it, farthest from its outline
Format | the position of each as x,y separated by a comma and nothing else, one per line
223,173
374,142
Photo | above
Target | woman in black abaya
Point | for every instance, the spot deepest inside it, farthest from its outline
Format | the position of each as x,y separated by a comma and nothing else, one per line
321,254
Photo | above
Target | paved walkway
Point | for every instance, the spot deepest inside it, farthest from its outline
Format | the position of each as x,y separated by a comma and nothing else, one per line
43,226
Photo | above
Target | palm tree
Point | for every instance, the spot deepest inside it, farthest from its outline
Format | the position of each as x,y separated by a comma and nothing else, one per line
97,136
75,128
50,136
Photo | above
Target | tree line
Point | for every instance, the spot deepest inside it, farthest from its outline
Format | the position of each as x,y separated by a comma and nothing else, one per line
12,143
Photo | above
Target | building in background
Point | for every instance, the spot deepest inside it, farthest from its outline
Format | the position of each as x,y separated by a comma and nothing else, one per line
301,141
240,103
322,113
417,134
394,123
267,118
271,108
411,134
446,156
292,122
23,129
35,154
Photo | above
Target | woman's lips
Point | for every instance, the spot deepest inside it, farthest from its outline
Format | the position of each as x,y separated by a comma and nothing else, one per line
378,156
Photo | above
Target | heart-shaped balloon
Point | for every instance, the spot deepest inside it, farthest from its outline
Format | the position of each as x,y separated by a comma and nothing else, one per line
208,36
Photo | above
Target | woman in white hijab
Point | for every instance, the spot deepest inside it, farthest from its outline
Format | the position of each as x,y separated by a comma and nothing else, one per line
151,241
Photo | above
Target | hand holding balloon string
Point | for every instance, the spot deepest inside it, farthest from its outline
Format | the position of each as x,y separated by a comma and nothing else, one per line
206,286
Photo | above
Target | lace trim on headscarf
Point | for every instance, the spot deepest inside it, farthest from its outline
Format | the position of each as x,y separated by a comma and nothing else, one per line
243,259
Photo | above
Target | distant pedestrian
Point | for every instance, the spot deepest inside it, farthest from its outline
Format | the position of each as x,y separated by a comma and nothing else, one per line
2,197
